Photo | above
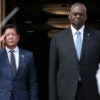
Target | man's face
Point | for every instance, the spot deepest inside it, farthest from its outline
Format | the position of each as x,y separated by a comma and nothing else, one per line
11,38
77,16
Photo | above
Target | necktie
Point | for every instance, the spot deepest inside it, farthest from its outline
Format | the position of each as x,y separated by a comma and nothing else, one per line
12,62
78,44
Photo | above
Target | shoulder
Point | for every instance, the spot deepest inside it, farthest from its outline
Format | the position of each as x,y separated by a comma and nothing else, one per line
92,29
2,49
24,51
61,33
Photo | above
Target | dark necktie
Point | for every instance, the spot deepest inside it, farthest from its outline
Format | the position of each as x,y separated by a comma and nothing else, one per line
12,62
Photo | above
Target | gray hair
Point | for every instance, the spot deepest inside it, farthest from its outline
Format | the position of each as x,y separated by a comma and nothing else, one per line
76,4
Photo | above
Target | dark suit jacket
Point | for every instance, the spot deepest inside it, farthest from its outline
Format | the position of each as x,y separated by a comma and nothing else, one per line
24,84
65,67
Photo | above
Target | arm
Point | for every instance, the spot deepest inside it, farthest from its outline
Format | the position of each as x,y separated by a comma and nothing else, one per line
33,84
52,71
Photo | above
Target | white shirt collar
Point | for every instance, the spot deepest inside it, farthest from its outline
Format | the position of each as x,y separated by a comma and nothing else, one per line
15,49
81,30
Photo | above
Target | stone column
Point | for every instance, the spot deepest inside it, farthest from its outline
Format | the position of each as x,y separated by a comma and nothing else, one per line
2,15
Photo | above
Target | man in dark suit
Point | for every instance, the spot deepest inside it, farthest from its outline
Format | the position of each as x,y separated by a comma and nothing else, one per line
17,81
72,77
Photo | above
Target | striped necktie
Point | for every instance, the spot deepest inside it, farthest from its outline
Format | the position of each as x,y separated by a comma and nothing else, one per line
12,62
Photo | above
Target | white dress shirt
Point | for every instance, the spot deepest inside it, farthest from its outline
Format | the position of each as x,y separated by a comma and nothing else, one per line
81,30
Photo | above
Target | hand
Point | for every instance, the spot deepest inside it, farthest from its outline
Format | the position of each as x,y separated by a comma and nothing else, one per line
98,78
2,38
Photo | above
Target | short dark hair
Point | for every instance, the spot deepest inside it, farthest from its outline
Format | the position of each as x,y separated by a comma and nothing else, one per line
10,26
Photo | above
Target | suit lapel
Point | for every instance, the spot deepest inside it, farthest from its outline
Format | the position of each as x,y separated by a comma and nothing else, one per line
86,38
21,61
70,44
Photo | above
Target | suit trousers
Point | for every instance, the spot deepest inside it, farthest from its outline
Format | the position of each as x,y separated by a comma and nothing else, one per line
12,97
79,93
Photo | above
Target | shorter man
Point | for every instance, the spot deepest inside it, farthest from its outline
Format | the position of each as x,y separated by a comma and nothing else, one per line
18,78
